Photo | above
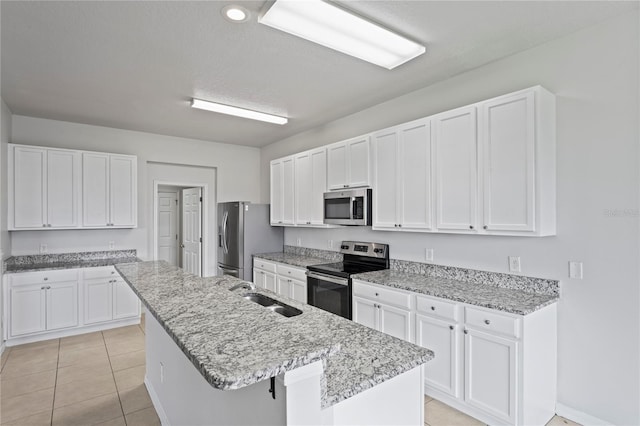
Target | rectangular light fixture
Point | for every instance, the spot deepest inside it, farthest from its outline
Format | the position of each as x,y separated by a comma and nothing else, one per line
323,23
238,112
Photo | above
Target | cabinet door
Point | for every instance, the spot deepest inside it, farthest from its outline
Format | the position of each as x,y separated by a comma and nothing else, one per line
62,305
303,188
299,291
490,374
318,186
122,190
288,188
358,162
385,179
29,188
508,163
441,372
396,322
456,169
98,300
95,189
337,166
257,278
270,282
276,192
63,188
27,309
284,287
365,312
125,302
414,176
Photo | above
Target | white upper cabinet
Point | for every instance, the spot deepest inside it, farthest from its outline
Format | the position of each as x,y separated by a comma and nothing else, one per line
109,190
282,191
402,177
310,184
44,188
348,163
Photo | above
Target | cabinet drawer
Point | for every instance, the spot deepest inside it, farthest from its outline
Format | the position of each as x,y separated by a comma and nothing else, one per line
437,307
43,276
491,321
295,273
385,295
101,272
264,265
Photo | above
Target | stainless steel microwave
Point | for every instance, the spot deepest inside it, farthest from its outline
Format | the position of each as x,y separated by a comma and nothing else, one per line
348,207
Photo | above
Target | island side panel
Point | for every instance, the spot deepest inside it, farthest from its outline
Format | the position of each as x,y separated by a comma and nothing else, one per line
182,396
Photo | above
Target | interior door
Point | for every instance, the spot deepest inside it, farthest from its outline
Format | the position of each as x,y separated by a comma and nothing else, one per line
168,227
192,231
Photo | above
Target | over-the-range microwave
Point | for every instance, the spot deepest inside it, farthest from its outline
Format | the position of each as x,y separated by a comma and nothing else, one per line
348,207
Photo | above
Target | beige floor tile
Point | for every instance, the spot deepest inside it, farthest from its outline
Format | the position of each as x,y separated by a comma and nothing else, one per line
427,399
37,345
82,341
132,330
74,373
439,414
10,387
4,357
18,369
32,356
135,399
89,412
127,360
83,357
125,346
129,378
119,421
40,419
26,405
146,417
82,390
561,421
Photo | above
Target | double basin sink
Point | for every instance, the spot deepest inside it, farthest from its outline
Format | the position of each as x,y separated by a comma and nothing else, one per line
273,304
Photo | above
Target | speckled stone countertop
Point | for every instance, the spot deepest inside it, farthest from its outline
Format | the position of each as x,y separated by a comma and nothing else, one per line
235,343
292,259
502,299
47,262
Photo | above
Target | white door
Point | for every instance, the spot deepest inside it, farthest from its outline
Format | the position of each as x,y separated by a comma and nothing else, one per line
192,230
490,374
440,373
122,190
98,300
62,305
456,169
358,166
168,227
29,196
365,312
385,179
27,309
395,322
125,301
288,188
95,189
276,192
63,188
337,166
414,175
508,163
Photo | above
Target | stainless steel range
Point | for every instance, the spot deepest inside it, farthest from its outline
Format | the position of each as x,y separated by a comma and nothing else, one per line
329,284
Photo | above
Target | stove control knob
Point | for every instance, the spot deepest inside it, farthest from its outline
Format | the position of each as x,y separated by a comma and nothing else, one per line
378,250
344,247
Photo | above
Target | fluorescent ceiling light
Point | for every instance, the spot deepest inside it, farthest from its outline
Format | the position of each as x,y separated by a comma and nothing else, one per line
333,27
238,112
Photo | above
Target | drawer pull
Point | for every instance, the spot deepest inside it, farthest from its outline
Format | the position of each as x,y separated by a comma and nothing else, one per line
487,322
433,308
466,332
46,279
451,327
377,294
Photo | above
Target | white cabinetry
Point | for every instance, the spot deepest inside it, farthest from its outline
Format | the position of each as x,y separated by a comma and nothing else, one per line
109,190
385,310
348,163
107,297
44,188
282,191
285,280
310,184
264,274
402,177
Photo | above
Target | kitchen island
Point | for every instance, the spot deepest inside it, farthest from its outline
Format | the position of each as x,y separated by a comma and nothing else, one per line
214,357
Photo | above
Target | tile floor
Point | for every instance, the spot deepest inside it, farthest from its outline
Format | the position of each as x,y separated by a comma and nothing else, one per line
97,379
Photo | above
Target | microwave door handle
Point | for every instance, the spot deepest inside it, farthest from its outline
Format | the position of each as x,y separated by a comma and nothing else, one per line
354,207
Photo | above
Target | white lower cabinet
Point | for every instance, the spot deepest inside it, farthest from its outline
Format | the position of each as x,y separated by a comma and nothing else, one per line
285,280
107,296
264,275
442,338
125,301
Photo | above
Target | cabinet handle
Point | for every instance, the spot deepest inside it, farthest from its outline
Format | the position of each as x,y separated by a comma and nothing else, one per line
48,225
44,225
451,327
485,227
377,294
113,272
43,288
470,226
487,322
288,281
466,332
399,225
46,279
48,287
433,308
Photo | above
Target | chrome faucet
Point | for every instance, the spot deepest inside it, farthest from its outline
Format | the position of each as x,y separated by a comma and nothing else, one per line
245,285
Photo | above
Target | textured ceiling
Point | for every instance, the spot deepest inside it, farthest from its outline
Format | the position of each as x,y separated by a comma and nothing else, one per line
135,65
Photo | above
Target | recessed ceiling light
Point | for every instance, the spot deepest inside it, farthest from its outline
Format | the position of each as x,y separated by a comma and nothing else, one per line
238,112
324,23
235,13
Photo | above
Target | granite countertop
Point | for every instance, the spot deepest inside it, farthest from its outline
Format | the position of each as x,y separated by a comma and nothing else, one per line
235,343
292,259
502,299
47,262
69,265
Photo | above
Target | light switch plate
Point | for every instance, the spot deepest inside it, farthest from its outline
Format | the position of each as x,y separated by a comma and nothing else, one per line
112,245
514,264
330,244
428,255
43,249
575,270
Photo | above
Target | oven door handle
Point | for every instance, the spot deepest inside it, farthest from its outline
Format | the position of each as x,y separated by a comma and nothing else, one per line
329,278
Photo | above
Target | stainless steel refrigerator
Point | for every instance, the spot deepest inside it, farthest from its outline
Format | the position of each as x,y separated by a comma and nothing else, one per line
244,230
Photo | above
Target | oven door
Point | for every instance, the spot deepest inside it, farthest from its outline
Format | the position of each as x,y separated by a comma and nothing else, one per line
329,293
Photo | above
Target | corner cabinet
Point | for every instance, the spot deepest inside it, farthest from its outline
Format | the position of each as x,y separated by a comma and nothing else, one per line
348,163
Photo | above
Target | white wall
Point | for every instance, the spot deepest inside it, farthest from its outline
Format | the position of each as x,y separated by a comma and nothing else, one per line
594,74
237,178
5,241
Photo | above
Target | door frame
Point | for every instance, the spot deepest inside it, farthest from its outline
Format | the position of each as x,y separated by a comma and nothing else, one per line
177,219
205,215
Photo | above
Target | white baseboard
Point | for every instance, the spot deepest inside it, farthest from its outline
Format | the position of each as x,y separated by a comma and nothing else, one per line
2,348
164,420
579,416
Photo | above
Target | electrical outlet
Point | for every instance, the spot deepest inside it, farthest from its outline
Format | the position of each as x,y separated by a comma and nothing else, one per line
428,255
514,264
112,245
575,270
161,373
43,249
330,244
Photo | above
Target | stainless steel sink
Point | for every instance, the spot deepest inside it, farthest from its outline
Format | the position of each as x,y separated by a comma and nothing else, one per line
272,304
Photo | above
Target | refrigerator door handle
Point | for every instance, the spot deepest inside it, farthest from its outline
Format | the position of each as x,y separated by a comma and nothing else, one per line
225,222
